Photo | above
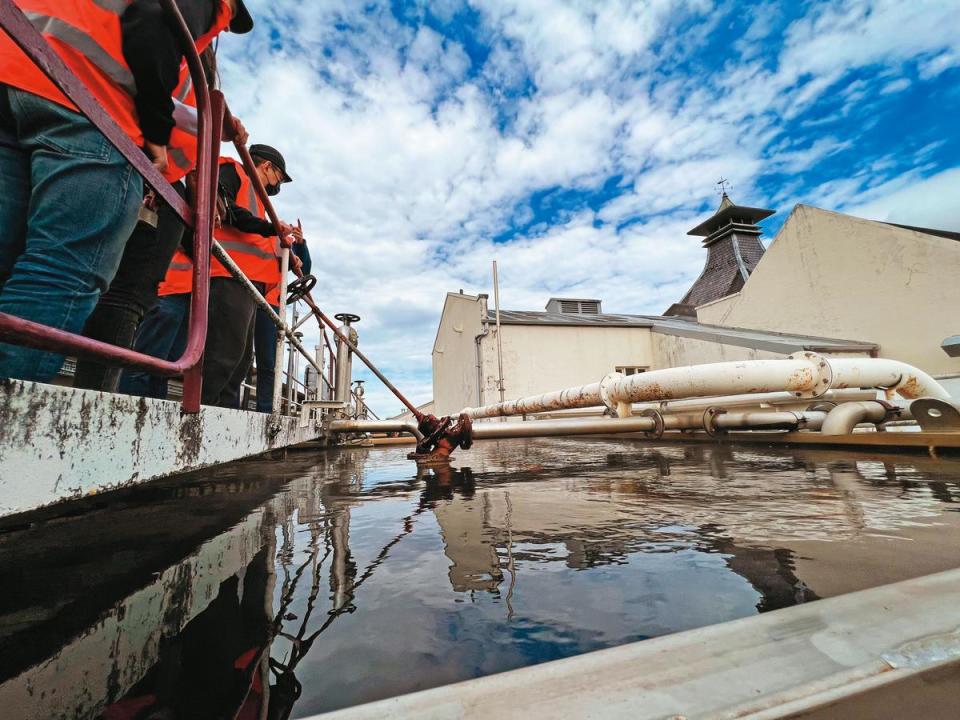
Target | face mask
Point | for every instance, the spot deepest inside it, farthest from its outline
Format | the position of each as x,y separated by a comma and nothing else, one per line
273,189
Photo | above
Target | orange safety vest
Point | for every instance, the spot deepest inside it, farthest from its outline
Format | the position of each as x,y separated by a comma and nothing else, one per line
182,148
256,255
86,35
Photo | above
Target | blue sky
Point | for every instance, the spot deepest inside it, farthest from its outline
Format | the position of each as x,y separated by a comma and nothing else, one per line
577,141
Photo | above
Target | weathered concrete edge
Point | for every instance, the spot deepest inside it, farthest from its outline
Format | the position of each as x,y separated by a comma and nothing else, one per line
58,444
115,653
763,666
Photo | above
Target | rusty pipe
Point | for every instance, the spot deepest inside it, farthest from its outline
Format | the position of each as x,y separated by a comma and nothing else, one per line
842,419
805,376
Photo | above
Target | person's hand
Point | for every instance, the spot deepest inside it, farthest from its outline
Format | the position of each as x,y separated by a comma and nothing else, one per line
239,132
157,155
296,264
291,231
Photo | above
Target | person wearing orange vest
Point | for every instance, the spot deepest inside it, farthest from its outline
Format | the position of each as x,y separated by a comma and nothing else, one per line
251,241
151,246
70,199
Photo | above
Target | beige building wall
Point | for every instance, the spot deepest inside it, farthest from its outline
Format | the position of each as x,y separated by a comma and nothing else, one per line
455,354
832,275
541,358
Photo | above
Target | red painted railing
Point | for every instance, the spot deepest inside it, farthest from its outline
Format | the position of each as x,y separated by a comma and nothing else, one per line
210,111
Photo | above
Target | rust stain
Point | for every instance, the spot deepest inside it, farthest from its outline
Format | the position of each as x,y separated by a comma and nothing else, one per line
910,387
800,379
191,440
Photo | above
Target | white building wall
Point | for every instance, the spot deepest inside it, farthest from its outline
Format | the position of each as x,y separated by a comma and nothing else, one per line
455,355
540,358
832,275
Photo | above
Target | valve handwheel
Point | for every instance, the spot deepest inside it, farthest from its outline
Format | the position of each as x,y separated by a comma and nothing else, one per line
300,287
347,318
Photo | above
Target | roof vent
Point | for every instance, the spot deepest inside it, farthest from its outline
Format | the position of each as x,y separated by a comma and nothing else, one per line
573,306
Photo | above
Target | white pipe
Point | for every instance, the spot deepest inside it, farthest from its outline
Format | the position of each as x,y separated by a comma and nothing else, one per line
842,419
909,382
602,426
805,375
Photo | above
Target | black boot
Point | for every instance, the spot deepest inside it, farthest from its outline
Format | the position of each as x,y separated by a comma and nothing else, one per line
113,325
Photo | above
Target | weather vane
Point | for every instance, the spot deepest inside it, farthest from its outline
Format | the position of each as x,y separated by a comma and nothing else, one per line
724,185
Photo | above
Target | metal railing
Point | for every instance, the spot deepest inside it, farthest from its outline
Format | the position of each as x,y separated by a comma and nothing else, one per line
214,121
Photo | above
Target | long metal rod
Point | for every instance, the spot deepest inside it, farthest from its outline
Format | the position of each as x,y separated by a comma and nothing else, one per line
496,305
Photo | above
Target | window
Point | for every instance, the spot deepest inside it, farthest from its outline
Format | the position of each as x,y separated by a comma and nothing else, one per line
631,369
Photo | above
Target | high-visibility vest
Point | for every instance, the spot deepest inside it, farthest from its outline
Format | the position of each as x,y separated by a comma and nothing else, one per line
256,255
273,295
86,35
182,148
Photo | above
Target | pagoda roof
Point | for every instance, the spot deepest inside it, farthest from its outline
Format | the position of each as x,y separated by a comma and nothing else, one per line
727,212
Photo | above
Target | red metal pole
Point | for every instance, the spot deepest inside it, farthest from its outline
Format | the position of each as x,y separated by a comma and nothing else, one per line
208,172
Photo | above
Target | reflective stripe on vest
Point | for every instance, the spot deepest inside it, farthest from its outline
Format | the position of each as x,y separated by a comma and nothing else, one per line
179,277
87,46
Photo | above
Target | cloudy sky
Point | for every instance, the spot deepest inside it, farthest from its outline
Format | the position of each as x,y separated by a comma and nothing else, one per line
576,141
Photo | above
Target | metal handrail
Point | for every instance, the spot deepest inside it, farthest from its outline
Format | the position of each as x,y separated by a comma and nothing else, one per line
210,107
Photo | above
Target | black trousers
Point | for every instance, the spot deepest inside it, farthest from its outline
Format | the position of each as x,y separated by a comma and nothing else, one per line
132,293
228,352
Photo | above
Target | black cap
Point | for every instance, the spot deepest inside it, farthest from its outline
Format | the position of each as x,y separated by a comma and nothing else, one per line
265,152
241,22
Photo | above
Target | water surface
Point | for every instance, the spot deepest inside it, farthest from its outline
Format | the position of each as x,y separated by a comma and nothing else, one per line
341,577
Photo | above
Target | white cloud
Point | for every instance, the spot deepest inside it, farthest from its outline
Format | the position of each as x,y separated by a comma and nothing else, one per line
408,159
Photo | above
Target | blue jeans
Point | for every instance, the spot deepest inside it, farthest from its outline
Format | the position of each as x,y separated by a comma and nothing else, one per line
265,348
162,334
68,203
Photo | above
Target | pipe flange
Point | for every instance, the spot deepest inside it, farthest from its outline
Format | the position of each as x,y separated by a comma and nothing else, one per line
658,424
710,421
606,385
812,383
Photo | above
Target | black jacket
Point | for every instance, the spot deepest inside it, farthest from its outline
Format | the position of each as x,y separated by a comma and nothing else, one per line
152,50
237,216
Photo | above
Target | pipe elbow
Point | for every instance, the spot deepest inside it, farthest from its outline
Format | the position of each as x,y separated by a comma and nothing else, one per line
842,419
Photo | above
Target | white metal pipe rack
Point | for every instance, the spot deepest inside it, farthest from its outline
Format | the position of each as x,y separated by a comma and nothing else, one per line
804,375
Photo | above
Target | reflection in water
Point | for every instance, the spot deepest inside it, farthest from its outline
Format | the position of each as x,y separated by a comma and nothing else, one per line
336,578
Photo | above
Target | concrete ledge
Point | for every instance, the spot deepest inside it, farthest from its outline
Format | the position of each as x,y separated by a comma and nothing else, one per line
59,444
890,652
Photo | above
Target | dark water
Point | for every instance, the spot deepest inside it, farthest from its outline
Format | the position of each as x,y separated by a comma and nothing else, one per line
337,578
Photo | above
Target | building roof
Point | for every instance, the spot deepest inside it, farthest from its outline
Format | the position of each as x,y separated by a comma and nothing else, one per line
757,339
727,212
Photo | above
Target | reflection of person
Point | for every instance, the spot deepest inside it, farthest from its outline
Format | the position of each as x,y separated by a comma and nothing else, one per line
207,670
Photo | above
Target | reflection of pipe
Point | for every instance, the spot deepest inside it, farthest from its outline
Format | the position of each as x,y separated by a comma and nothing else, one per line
806,376
340,581
842,419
